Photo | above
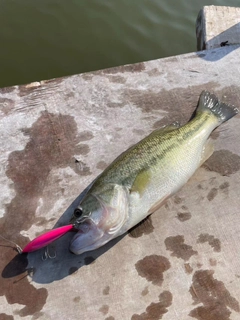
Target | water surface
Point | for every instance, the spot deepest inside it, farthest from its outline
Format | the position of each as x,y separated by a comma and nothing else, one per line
43,39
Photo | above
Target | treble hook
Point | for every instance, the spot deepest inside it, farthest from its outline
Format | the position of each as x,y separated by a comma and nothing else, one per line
47,255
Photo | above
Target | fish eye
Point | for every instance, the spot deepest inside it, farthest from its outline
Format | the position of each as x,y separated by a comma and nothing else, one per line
78,212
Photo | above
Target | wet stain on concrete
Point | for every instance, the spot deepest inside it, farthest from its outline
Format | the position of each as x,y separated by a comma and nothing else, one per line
177,199
212,262
117,79
106,291
142,228
33,299
212,194
104,309
148,102
101,165
111,104
154,72
213,296
157,125
212,180
188,268
224,187
215,243
41,221
215,134
179,248
139,132
166,205
224,162
169,101
6,105
37,315
230,95
184,216
144,292
52,144
83,149
81,168
152,268
137,67
4,316
85,135
77,299
20,290
156,310
69,95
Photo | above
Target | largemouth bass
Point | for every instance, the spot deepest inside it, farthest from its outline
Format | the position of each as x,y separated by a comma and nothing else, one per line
139,181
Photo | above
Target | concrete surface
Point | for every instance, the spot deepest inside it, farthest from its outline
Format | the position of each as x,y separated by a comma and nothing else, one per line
217,26
57,136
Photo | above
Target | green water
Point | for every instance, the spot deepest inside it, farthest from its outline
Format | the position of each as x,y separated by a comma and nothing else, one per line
43,39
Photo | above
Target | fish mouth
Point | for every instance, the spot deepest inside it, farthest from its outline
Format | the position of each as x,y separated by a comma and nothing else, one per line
103,224
89,237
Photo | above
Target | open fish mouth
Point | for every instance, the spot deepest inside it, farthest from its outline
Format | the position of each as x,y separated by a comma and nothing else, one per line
89,237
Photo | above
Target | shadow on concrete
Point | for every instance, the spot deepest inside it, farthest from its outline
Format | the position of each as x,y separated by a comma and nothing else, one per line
217,53
217,47
61,262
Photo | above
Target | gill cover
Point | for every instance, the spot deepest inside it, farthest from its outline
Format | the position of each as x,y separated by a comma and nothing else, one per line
105,222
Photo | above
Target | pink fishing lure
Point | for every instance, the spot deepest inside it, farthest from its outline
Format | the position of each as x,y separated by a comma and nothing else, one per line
46,238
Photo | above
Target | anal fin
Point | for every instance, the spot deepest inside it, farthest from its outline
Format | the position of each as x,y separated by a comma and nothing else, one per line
206,152
158,204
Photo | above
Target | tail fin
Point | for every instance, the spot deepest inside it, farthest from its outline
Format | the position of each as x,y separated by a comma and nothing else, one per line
210,102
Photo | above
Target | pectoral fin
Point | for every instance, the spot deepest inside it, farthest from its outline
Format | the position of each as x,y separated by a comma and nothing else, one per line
141,182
